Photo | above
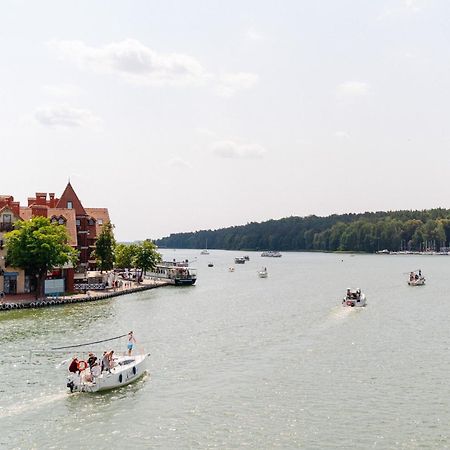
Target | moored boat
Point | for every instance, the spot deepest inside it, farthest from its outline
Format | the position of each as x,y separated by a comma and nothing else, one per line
239,260
177,273
354,297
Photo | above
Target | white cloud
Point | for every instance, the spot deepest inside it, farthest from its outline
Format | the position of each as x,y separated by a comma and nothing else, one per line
230,83
253,35
62,90
234,150
65,116
179,163
133,61
401,7
353,89
342,134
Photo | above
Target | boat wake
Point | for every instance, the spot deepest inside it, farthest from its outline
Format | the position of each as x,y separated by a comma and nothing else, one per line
30,405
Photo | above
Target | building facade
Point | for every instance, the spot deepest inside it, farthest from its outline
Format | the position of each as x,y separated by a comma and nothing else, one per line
83,227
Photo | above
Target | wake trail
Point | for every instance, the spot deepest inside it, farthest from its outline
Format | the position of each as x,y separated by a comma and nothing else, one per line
30,405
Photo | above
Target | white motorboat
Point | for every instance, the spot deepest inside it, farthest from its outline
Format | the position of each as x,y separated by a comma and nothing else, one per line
416,278
126,369
263,273
354,297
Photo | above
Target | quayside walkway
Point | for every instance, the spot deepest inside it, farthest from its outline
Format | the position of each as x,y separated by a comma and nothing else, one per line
20,301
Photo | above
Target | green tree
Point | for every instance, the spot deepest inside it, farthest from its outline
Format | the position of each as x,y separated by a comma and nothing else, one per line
104,247
125,255
38,246
146,257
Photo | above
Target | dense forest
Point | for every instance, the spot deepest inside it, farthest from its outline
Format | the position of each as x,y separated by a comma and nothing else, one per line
365,232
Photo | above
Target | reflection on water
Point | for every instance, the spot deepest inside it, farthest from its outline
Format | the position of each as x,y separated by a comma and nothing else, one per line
242,361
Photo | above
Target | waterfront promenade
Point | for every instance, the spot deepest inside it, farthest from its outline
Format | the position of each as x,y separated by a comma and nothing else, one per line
20,301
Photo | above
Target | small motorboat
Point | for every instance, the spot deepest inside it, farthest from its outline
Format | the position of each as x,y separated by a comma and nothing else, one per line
230,269
239,260
416,278
210,264
126,369
263,273
354,297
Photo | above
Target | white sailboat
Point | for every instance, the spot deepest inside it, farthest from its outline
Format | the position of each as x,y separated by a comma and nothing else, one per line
205,251
125,370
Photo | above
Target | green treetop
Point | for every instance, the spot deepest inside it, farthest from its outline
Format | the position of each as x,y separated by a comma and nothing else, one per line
105,247
147,256
37,246
125,255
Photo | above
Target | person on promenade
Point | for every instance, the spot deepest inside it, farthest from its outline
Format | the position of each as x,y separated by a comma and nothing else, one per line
131,342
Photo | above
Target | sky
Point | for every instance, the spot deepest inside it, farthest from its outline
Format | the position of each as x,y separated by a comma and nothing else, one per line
187,115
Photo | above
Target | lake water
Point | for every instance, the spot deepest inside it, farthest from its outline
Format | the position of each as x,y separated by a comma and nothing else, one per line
243,362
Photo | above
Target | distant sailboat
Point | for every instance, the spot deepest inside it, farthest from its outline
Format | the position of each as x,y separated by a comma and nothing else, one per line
205,251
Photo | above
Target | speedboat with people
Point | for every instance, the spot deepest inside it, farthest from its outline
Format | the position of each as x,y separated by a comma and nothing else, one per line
354,297
123,370
263,273
239,260
416,278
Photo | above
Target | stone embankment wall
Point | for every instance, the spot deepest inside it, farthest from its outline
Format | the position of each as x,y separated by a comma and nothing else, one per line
56,301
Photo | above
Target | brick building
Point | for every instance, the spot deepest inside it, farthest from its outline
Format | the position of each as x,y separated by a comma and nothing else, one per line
83,227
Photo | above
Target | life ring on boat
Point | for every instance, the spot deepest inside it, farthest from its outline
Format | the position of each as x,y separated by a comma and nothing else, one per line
349,303
82,365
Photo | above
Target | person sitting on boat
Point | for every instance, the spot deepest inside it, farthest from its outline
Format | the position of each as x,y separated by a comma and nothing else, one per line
95,370
91,360
131,342
358,294
105,362
349,294
420,273
111,359
416,276
73,366
411,276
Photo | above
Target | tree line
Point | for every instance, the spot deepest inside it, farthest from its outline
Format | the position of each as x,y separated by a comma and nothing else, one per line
365,232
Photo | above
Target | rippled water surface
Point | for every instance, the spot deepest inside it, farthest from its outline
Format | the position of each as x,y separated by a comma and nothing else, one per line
243,362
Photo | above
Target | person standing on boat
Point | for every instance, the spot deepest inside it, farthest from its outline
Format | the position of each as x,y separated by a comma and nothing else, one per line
131,342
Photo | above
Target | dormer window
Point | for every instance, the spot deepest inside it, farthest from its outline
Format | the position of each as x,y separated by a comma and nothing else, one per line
100,221
69,205
61,221
91,222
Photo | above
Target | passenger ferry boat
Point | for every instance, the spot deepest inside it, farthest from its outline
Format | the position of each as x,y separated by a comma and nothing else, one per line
354,298
175,272
126,369
271,254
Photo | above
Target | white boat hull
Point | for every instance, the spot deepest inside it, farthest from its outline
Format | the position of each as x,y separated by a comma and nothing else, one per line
127,369
263,274
419,282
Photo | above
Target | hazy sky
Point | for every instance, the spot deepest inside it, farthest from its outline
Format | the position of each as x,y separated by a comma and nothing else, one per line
185,115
